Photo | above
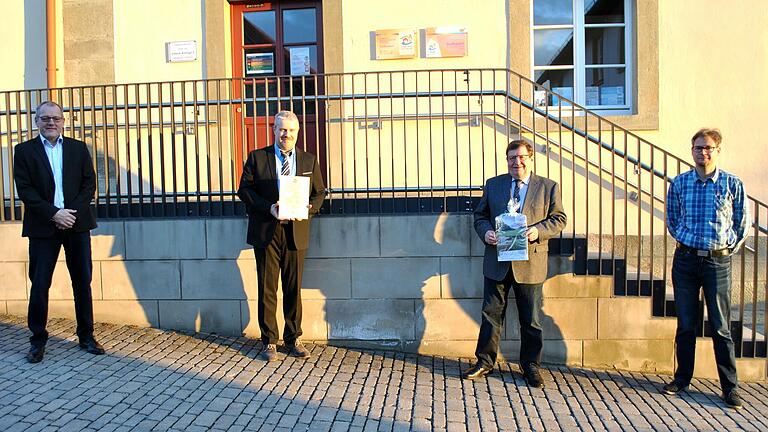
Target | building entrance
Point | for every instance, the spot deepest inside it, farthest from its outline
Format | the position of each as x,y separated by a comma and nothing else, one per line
277,51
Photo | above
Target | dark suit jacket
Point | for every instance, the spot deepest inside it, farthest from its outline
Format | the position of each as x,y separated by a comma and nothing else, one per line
34,184
258,190
543,208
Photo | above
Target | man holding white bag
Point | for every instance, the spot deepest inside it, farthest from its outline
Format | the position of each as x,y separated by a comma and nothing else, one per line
539,200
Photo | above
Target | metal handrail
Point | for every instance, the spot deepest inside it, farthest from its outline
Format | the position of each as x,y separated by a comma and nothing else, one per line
545,112
139,166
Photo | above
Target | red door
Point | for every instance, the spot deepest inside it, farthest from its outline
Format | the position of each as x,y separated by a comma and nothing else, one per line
277,56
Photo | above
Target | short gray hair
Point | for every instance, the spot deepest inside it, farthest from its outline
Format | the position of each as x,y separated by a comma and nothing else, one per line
286,115
48,103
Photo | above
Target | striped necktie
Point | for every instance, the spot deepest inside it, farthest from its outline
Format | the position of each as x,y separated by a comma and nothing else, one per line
286,170
516,192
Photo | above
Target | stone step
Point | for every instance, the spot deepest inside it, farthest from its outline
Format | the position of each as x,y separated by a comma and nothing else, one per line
749,369
567,244
629,318
628,282
605,264
566,285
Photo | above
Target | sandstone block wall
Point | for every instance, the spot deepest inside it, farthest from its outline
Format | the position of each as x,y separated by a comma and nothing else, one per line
411,283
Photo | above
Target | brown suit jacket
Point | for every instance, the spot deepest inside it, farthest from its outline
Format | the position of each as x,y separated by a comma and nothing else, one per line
543,208
258,190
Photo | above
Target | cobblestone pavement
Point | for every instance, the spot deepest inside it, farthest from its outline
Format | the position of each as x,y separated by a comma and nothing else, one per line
163,380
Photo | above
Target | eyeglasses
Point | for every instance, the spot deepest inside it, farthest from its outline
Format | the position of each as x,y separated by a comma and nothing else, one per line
708,149
47,119
518,157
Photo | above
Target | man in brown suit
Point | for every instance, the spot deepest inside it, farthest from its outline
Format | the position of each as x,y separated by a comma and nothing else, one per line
540,201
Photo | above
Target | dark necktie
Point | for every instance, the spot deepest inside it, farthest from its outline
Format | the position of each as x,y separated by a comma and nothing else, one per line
516,193
286,170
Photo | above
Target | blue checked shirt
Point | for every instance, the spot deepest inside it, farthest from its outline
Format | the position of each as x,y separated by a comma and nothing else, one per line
711,214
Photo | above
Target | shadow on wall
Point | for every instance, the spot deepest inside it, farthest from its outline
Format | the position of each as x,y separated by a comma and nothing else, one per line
421,293
171,274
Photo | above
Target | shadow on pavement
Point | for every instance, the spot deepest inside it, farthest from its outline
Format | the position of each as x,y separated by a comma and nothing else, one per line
163,380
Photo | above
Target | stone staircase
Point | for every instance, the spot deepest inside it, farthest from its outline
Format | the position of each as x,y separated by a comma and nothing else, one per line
632,291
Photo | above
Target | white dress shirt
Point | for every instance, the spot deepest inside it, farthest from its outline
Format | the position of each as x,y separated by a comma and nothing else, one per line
55,153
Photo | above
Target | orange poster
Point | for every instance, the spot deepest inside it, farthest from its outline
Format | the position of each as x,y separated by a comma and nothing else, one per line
395,44
445,42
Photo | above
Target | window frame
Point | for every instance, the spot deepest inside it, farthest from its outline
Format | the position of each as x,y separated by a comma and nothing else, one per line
580,68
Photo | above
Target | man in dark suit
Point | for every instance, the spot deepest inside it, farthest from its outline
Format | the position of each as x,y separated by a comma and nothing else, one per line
279,244
55,180
540,201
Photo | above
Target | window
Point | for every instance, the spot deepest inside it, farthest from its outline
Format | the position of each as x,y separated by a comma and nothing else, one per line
582,50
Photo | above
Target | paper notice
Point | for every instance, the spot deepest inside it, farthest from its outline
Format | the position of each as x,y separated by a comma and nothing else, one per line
300,64
294,197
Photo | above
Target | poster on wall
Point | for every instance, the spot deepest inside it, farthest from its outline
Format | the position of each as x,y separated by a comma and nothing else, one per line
445,42
259,63
395,44
300,64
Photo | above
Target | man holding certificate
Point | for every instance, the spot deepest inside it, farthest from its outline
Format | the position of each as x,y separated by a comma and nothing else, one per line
282,188
508,199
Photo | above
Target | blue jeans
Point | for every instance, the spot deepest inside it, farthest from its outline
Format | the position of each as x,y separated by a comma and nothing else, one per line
690,274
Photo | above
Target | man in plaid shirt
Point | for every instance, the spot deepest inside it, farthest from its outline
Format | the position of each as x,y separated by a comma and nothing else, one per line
707,215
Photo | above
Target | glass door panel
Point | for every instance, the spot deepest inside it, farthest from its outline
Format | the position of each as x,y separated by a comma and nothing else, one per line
299,26
259,28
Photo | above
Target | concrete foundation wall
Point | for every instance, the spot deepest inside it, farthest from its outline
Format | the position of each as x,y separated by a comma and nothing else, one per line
411,283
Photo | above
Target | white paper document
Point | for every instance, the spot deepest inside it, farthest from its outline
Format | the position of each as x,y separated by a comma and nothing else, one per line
294,197
300,64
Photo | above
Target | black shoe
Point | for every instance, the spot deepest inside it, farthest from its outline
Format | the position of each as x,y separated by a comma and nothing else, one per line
673,388
91,346
476,372
532,376
35,354
732,399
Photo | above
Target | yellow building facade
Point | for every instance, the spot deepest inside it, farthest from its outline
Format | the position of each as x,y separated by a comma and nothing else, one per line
687,63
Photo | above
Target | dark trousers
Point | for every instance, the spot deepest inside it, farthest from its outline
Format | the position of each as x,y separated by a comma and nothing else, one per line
529,301
280,258
690,275
43,253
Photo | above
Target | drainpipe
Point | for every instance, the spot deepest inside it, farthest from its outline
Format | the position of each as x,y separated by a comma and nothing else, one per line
50,26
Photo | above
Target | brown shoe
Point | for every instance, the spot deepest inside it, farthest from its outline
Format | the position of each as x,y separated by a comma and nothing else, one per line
298,350
269,354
